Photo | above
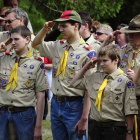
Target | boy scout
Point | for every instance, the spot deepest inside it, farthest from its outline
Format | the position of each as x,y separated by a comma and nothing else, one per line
22,85
112,96
131,55
68,116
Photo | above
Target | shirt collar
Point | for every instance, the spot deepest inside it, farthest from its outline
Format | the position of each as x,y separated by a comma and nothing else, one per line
115,73
77,43
23,55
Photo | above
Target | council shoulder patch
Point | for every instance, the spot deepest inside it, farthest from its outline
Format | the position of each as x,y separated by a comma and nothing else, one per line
1,54
92,54
130,84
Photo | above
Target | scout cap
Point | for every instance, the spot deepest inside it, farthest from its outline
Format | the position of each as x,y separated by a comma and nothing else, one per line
134,26
69,15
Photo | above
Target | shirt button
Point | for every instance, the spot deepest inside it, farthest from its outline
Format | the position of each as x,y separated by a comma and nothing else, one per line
57,89
11,101
58,80
12,92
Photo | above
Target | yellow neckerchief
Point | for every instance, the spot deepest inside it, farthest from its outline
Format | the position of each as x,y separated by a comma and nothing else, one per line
101,89
13,77
63,63
134,58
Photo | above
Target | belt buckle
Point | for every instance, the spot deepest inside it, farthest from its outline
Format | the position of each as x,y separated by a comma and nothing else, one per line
9,109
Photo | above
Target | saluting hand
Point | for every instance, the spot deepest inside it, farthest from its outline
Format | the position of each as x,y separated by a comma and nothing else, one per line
48,26
92,63
3,47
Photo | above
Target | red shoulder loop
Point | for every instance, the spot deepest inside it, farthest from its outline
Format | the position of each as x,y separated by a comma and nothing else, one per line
62,40
7,52
88,48
39,59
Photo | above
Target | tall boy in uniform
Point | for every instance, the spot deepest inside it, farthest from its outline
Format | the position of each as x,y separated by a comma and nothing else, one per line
69,112
112,95
22,86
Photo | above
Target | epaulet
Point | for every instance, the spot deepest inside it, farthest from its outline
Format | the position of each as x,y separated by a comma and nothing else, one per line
39,59
62,40
96,41
5,32
88,48
8,53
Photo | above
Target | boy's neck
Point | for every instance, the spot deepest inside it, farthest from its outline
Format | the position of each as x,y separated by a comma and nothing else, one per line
74,38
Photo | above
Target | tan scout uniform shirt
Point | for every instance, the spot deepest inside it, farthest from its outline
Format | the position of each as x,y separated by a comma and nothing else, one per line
93,43
118,98
5,35
31,79
128,54
78,56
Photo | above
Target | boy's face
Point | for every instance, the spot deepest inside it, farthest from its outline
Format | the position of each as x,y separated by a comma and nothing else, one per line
107,64
19,43
67,30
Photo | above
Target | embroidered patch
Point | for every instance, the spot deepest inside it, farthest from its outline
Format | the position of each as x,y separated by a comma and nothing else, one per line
71,74
120,79
117,89
42,66
72,54
92,54
30,73
123,64
130,84
1,54
3,82
25,65
54,71
68,81
31,66
74,63
77,56
28,83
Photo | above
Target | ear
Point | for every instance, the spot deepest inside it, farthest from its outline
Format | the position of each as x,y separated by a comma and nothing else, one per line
76,26
86,26
116,61
21,21
28,39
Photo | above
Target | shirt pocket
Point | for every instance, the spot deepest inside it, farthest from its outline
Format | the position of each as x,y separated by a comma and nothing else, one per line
72,70
94,91
116,95
28,81
4,78
133,103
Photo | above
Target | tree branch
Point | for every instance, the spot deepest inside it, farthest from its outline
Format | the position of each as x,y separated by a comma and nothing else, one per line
50,7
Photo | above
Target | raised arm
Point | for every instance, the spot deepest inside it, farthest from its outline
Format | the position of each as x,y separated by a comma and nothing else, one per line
90,64
136,76
41,34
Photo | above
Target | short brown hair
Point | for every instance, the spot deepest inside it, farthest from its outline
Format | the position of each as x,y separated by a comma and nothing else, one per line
112,51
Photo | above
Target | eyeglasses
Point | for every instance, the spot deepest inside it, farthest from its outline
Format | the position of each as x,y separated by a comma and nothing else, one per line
9,21
99,33
2,16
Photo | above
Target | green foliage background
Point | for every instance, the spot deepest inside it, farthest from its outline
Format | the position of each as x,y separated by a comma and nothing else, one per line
112,12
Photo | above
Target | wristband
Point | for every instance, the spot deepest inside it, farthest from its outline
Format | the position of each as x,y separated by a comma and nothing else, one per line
85,67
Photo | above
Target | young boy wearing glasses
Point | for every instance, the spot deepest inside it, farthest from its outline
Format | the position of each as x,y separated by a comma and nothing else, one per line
22,86
112,95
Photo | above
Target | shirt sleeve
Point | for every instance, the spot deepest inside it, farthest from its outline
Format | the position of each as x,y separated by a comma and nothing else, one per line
41,83
130,105
47,49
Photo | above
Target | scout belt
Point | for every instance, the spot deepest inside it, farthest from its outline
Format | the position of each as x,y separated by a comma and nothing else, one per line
13,109
108,124
66,98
